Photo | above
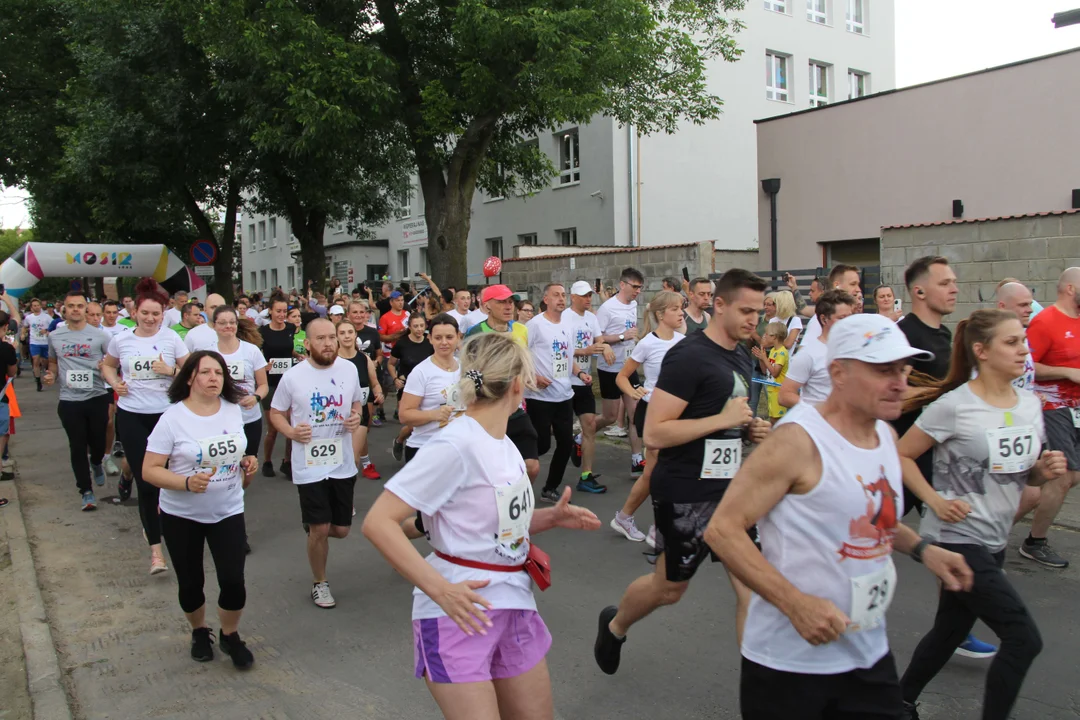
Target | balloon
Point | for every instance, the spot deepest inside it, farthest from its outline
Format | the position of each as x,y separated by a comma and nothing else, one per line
492,266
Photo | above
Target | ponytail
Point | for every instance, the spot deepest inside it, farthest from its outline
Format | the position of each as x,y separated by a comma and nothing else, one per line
657,306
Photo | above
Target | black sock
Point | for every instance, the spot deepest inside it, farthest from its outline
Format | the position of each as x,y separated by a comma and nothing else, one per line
1034,540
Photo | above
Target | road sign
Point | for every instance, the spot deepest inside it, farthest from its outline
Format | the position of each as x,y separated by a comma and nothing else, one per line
76,286
204,270
203,252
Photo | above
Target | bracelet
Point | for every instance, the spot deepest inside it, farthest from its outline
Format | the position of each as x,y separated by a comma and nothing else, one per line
917,551
186,481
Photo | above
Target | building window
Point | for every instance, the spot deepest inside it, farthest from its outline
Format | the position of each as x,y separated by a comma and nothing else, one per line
815,11
403,263
567,237
569,161
855,18
776,77
341,272
404,201
262,279
819,84
494,247
251,237
424,266
262,234
254,286
273,278
291,274
779,6
527,239
273,232
858,84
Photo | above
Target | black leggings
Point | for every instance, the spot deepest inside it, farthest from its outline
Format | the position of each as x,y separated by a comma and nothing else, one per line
85,422
133,429
994,601
185,539
253,435
553,418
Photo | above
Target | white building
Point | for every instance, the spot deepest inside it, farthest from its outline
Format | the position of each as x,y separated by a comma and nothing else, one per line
615,188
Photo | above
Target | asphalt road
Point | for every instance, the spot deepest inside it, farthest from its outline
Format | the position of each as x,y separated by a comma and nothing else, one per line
123,641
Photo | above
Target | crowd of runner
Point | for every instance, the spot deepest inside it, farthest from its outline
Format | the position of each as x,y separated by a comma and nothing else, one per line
887,411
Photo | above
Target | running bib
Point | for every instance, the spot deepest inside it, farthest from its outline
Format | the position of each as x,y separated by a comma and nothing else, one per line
222,450
453,399
515,503
278,366
363,395
1012,449
1076,416
237,369
722,459
871,595
141,368
560,366
325,451
80,379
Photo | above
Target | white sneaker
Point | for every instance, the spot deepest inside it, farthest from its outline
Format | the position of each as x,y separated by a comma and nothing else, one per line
320,595
110,467
615,431
650,540
625,525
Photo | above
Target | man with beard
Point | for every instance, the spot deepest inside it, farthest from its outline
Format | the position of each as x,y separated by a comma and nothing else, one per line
317,405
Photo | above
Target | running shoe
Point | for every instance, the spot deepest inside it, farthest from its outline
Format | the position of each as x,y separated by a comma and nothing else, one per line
268,469
99,474
7,469
123,488
615,431
551,496
975,648
637,468
399,450
1041,552
911,710
376,422
242,659
650,539
286,469
608,648
588,484
110,467
575,456
38,384
370,472
157,565
202,644
627,527
320,595
117,449
88,501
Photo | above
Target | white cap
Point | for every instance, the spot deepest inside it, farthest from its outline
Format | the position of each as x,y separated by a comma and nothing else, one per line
872,339
582,288
336,310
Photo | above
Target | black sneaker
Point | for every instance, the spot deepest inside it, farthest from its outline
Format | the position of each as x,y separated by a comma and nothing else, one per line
242,659
123,488
399,450
268,469
1041,552
911,711
608,648
286,469
575,452
202,644
551,496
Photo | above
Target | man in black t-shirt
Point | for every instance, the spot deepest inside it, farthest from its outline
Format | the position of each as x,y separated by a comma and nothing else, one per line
696,416
383,303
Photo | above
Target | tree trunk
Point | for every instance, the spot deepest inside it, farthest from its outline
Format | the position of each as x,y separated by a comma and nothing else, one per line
99,287
223,280
448,222
309,231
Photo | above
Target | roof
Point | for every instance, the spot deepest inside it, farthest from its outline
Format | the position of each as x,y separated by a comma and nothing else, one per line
986,219
604,251
823,108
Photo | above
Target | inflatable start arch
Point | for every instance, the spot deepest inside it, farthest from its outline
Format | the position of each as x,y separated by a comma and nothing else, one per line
34,261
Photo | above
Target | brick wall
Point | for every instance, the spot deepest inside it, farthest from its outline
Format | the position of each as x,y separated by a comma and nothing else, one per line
1033,249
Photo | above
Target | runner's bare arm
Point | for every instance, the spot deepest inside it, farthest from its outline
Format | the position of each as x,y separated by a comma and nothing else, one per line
788,395
622,380
914,443
1051,372
664,429
564,515
949,567
109,366
410,413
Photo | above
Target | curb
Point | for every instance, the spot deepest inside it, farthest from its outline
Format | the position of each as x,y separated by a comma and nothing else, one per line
43,678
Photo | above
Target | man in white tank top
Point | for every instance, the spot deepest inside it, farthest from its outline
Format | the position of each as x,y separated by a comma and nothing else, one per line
815,643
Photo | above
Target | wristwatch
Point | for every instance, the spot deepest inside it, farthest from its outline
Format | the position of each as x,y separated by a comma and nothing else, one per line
622,336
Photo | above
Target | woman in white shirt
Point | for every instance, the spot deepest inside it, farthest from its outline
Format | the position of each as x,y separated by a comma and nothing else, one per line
201,437
474,616
430,399
785,313
147,358
664,325
248,369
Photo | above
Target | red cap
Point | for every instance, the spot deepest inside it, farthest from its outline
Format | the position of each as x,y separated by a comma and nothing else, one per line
496,292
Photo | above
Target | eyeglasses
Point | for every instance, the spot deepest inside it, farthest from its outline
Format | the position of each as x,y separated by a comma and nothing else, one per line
633,285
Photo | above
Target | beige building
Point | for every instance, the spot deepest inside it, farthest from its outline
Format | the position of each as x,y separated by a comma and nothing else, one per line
1002,141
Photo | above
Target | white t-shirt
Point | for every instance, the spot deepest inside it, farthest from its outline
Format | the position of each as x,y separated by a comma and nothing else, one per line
473,318
462,320
792,323
242,366
585,329
435,387
115,329
649,353
171,317
453,481
189,440
809,368
813,330
616,318
552,347
39,327
253,315
146,389
200,337
323,398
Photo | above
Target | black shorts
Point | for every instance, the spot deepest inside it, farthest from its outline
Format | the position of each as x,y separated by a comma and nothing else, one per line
870,694
680,536
410,453
584,400
639,417
608,389
1063,435
327,501
253,434
521,432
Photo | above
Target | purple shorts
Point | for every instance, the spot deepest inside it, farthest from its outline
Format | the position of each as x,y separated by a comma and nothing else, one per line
518,641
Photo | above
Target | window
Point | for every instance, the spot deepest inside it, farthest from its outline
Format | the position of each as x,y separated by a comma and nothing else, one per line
262,234
855,18
776,80
858,84
567,236
527,239
251,237
424,267
273,278
262,279
494,247
819,84
569,165
779,6
273,232
403,263
291,274
254,286
341,272
815,11
404,202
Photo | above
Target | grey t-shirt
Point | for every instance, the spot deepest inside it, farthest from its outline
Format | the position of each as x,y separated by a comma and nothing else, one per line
968,431
77,354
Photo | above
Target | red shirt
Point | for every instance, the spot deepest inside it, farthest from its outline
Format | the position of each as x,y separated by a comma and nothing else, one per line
390,324
1054,338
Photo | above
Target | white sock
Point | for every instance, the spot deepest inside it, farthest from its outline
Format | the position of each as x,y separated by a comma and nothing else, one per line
636,457
365,461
